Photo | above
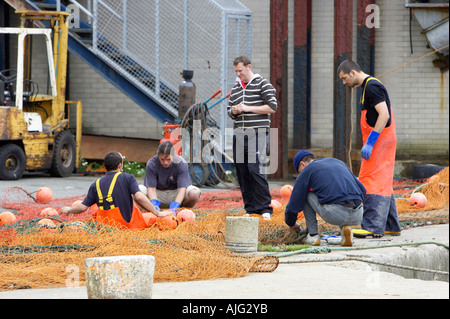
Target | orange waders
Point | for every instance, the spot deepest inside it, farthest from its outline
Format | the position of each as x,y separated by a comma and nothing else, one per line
377,174
113,216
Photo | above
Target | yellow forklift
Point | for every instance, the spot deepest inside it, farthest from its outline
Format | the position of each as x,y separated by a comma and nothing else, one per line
34,127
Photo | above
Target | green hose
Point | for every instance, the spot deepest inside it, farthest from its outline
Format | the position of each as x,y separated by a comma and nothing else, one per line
319,250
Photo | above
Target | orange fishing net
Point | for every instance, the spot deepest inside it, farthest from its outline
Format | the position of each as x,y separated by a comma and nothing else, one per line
33,255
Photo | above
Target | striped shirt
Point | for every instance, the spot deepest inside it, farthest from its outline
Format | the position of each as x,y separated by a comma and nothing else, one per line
258,92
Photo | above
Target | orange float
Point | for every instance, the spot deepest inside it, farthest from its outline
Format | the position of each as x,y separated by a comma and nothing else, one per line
44,195
7,218
186,215
76,203
46,222
150,218
275,204
93,209
286,191
49,211
167,222
418,199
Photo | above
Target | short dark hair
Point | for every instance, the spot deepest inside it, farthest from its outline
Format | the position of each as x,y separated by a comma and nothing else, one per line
112,160
242,59
165,148
308,158
347,66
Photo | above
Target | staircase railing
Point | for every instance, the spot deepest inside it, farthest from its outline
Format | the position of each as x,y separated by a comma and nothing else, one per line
110,42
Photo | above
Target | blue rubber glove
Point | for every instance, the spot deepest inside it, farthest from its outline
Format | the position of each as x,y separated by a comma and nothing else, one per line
156,203
174,206
366,151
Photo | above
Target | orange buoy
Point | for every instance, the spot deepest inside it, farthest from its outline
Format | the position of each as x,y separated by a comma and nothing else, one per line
418,199
76,203
149,218
166,222
186,215
286,191
47,226
275,204
44,195
7,218
46,222
49,211
93,209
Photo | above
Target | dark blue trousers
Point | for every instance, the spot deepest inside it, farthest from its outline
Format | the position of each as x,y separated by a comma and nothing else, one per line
380,214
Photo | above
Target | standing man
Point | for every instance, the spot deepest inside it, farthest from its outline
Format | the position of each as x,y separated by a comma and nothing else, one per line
378,152
251,102
114,194
168,182
328,188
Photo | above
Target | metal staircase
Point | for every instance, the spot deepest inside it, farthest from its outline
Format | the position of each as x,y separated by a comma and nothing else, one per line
141,47
120,68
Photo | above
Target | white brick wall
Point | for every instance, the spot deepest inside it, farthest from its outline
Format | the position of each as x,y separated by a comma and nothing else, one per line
106,110
419,100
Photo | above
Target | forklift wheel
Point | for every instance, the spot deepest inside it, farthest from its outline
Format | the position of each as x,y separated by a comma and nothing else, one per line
12,162
64,156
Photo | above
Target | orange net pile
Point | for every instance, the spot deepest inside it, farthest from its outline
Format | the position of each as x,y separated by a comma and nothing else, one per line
436,191
41,256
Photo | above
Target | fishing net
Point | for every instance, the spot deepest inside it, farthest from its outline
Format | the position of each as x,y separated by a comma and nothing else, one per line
41,256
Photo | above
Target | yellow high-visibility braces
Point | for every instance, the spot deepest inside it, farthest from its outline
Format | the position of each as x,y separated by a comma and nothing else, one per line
109,198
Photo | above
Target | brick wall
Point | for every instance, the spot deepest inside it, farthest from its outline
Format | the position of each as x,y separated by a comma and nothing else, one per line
107,110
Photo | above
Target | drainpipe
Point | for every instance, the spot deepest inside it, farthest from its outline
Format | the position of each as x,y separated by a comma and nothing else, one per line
279,79
365,56
343,37
302,74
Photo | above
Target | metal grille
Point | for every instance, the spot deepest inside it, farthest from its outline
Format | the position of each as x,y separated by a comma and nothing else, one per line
152,42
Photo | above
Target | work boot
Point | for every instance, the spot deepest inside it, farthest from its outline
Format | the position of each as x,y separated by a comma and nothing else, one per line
312,240
346,236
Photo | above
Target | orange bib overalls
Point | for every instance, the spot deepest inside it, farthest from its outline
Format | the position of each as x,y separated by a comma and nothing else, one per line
113,216
377,174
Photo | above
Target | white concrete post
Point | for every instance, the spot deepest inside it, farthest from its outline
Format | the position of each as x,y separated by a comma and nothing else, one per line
120,277
241,234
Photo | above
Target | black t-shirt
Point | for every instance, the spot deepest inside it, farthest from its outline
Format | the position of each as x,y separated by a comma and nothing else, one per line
126,185
375,94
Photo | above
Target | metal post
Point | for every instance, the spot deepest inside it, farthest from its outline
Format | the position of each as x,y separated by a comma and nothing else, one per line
364,57
157,42
125,26
343,36
186,35
3,39
95,27
302,75
279,73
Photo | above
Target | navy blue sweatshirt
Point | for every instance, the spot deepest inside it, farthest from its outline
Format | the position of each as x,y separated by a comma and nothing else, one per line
332,182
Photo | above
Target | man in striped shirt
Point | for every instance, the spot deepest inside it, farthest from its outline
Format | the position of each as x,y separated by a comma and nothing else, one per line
250,105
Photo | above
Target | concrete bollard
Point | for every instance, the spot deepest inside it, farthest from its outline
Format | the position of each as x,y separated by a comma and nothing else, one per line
241,234
120,277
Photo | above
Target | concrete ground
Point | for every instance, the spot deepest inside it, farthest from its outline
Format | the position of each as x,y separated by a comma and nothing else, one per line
339,274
